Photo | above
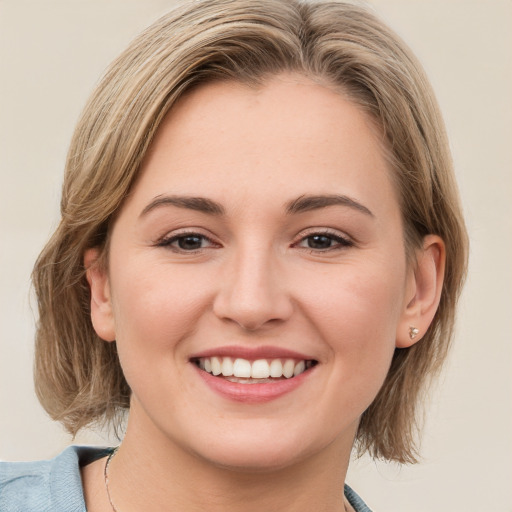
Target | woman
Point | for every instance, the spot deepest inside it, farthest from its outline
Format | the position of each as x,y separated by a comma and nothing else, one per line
260,253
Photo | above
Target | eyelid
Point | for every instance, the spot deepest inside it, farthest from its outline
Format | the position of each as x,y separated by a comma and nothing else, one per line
343,239
169,238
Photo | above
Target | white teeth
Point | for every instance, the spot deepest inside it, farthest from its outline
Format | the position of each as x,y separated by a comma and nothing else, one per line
288,368
276,368
242,368
216,366
227,366
299,368
260,369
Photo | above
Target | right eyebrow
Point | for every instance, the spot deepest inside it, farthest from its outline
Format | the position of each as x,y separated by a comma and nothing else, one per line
307,203
200,204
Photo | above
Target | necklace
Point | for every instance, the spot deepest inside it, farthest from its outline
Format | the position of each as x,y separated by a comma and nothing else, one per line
105,473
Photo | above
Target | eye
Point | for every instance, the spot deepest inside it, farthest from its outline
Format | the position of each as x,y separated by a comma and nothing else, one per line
324,242
187,242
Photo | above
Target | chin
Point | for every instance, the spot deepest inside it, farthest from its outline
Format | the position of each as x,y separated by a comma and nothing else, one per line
258,453
255,461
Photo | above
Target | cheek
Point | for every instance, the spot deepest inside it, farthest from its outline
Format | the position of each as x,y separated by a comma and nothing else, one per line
365,301
154,310
357,314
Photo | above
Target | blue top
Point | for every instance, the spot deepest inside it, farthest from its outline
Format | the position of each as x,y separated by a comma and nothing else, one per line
55,485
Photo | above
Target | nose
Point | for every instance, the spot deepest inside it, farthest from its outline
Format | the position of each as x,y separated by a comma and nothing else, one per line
253,292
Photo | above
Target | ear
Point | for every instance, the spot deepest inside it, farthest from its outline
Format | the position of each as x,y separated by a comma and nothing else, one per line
102,316
423,292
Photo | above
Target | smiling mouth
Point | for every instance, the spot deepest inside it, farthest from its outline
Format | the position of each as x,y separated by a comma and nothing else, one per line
259,371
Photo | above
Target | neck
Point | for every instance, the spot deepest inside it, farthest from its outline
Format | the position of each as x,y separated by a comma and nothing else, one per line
157,474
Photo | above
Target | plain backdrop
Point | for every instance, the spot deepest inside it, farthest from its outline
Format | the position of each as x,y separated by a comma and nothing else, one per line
52,53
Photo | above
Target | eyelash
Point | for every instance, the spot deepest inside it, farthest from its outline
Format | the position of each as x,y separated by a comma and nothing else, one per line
339,241
169,241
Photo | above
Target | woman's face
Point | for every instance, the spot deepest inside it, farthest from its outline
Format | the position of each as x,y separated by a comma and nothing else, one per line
264,227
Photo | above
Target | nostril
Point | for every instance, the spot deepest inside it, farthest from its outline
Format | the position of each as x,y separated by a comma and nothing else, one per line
252,300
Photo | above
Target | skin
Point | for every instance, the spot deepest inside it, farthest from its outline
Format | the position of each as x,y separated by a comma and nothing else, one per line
256,279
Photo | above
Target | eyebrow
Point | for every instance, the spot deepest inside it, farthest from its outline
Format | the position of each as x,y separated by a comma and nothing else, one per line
200,204
307,203
302,204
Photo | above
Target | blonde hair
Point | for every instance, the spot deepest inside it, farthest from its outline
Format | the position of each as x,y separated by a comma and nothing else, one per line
79,380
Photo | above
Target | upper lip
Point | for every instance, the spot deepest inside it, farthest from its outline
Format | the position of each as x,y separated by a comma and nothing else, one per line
252,353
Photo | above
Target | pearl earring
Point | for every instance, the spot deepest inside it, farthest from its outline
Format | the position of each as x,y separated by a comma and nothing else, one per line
413,332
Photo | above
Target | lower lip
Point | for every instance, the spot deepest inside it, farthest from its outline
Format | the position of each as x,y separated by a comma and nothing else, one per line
253,393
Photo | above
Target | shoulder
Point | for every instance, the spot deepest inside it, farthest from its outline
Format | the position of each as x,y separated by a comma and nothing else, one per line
355,501
47,485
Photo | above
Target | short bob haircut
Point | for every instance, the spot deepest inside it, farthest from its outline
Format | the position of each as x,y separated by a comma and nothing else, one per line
79,380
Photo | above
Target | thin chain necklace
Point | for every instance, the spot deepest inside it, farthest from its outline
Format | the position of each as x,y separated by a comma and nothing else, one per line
105,473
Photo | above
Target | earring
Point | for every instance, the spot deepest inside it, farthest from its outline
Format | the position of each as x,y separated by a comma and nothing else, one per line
413,332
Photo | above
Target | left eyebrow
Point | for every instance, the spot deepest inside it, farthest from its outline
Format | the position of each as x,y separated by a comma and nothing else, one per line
200,204
307,203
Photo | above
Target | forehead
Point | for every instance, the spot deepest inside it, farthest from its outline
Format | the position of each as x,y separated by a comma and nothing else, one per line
287,137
